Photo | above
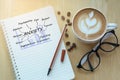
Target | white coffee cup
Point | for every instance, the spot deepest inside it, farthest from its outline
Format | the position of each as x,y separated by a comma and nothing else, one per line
89,25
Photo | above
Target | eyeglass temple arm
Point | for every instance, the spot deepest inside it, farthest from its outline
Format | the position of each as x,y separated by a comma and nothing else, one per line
105,37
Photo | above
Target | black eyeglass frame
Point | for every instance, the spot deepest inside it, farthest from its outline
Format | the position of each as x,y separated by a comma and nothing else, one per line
86,57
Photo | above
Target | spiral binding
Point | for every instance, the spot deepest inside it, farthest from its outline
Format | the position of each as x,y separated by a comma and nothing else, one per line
15,68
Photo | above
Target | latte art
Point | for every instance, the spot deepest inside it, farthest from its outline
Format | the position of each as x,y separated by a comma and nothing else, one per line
89,25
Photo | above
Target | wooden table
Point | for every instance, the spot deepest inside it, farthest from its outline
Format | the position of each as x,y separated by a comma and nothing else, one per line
110,64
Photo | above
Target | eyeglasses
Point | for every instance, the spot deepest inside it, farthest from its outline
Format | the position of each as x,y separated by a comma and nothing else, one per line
91,60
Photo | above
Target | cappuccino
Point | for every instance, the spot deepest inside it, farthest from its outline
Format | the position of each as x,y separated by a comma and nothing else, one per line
89,24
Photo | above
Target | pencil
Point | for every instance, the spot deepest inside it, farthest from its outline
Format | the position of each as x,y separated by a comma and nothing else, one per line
50,67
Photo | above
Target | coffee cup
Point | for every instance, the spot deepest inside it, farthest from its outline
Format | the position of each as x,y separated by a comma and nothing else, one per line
89,25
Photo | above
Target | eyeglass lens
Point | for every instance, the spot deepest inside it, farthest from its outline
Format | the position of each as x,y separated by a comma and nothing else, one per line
110,43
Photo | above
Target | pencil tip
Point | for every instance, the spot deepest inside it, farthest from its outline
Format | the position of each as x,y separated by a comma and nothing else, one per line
48,71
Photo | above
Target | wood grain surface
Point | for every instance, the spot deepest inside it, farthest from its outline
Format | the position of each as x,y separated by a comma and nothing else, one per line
110,64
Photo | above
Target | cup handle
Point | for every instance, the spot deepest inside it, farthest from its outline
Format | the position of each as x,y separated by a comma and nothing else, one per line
111,26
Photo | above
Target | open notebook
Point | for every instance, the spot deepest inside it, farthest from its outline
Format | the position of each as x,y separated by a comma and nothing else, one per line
32,39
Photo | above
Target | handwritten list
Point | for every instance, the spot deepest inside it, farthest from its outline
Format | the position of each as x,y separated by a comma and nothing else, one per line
32,39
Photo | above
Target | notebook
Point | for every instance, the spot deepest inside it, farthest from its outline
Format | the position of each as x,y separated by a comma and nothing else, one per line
32,39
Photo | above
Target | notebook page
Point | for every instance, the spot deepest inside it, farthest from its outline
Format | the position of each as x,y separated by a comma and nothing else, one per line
32,39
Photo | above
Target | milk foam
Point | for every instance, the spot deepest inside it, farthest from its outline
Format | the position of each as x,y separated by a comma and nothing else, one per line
88,24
